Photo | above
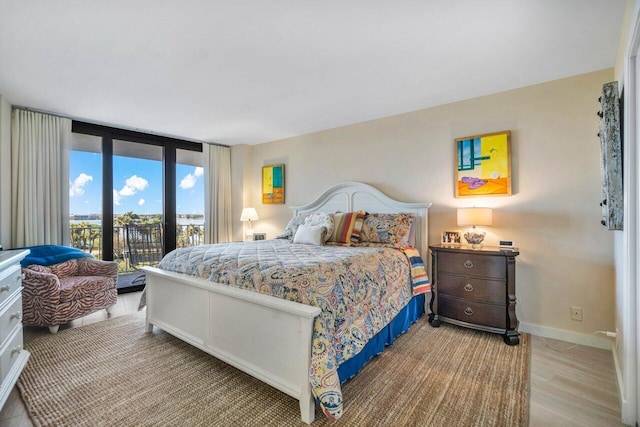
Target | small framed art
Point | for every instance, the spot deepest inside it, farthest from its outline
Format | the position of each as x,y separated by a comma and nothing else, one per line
273,185
259,236
483,165
451,238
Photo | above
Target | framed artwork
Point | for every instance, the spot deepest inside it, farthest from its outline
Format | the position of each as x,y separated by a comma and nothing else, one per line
273,184
611,161
451,238
483,165
259,236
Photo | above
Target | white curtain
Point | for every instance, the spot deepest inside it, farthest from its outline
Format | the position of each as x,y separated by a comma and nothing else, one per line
217,193
39,179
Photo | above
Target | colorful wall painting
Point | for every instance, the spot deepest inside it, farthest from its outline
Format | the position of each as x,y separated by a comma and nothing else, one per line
273,184
483,165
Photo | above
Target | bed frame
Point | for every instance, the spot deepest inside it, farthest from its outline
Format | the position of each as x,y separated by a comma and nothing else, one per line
266,337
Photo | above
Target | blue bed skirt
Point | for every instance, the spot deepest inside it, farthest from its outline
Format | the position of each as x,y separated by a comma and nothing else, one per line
408,315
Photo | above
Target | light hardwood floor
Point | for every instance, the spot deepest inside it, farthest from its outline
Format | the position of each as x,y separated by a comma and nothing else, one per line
570,385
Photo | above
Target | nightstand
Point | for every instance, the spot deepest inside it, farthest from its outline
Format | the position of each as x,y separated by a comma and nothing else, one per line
475,288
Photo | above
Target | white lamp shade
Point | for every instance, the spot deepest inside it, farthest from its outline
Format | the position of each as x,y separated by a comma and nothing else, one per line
249,214
475,216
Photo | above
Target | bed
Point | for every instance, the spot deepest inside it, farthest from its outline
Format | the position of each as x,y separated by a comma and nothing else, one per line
270,338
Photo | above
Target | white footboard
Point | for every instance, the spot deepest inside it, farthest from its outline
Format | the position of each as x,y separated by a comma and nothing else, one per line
266,337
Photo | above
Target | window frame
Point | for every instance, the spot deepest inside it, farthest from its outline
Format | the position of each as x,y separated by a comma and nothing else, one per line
170,145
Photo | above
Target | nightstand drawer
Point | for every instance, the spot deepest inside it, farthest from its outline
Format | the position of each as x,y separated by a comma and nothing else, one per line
472,265
472,312
481,290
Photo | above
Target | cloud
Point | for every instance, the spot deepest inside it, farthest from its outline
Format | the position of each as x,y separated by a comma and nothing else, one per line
132,185
190,179
76,187
141,202
188,182
137,182
127,191
116,197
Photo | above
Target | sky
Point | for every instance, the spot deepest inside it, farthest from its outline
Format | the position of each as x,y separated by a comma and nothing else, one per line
137,185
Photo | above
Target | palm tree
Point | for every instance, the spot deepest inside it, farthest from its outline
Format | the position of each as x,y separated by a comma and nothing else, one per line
126,219
84,236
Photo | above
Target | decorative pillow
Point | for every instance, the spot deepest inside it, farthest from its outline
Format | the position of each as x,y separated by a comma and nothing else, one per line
392,229
292,226
311,234
323,219
411,238
346,228
357,227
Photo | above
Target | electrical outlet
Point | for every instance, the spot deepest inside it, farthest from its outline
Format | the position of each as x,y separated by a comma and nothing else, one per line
576,313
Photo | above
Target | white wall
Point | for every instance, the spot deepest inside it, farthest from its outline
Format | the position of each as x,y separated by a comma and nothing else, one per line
5,172
554,217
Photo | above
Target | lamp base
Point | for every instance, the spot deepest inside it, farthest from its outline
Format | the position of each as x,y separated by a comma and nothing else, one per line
474,238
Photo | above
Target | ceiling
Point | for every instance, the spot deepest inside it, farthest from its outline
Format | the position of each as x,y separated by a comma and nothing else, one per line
252,71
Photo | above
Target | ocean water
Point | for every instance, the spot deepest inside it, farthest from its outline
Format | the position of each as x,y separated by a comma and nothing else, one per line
180,221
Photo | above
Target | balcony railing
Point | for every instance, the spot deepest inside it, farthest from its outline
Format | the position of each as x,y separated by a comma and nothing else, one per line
89,239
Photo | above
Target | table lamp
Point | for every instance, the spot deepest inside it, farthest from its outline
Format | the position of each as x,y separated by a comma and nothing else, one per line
474,217
249,214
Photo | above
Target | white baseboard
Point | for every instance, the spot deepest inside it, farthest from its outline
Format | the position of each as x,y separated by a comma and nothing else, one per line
563,335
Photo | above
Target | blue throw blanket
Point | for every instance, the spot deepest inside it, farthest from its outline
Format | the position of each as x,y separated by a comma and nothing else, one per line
51,254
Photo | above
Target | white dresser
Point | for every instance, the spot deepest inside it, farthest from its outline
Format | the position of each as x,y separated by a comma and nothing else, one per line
13,357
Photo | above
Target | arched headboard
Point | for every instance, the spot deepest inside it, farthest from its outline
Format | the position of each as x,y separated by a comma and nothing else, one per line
353,196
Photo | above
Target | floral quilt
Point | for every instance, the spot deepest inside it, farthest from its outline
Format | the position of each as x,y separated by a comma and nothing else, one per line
359,290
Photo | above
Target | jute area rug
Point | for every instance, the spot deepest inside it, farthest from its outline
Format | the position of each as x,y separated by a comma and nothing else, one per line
113,374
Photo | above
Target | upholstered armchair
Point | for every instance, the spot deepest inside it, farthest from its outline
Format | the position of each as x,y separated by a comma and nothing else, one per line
62,292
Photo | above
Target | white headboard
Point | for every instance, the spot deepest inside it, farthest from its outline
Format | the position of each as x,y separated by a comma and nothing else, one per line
353,196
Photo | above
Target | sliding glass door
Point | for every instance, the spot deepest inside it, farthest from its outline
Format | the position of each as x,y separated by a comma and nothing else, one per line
85,194
189,199
137,204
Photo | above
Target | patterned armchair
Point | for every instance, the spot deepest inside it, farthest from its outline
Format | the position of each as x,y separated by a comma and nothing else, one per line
63,292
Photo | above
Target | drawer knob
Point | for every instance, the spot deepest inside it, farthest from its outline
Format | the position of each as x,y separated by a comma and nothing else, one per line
5,288
468,311
468,287
16,315
468,264
17,349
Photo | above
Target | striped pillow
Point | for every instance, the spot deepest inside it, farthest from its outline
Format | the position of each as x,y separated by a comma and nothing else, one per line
346,228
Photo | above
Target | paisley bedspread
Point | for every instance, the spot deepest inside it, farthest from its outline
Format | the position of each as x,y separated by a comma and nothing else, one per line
359,290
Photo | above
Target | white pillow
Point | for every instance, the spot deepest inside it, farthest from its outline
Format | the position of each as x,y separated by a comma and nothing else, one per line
311,234
323,219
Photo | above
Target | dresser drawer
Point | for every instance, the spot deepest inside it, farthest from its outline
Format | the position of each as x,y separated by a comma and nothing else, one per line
472,288
10,280
472,265
10,352
10,317
472,312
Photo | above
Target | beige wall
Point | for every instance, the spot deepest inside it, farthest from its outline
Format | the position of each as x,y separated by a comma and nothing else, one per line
241,188
566,255
5,172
